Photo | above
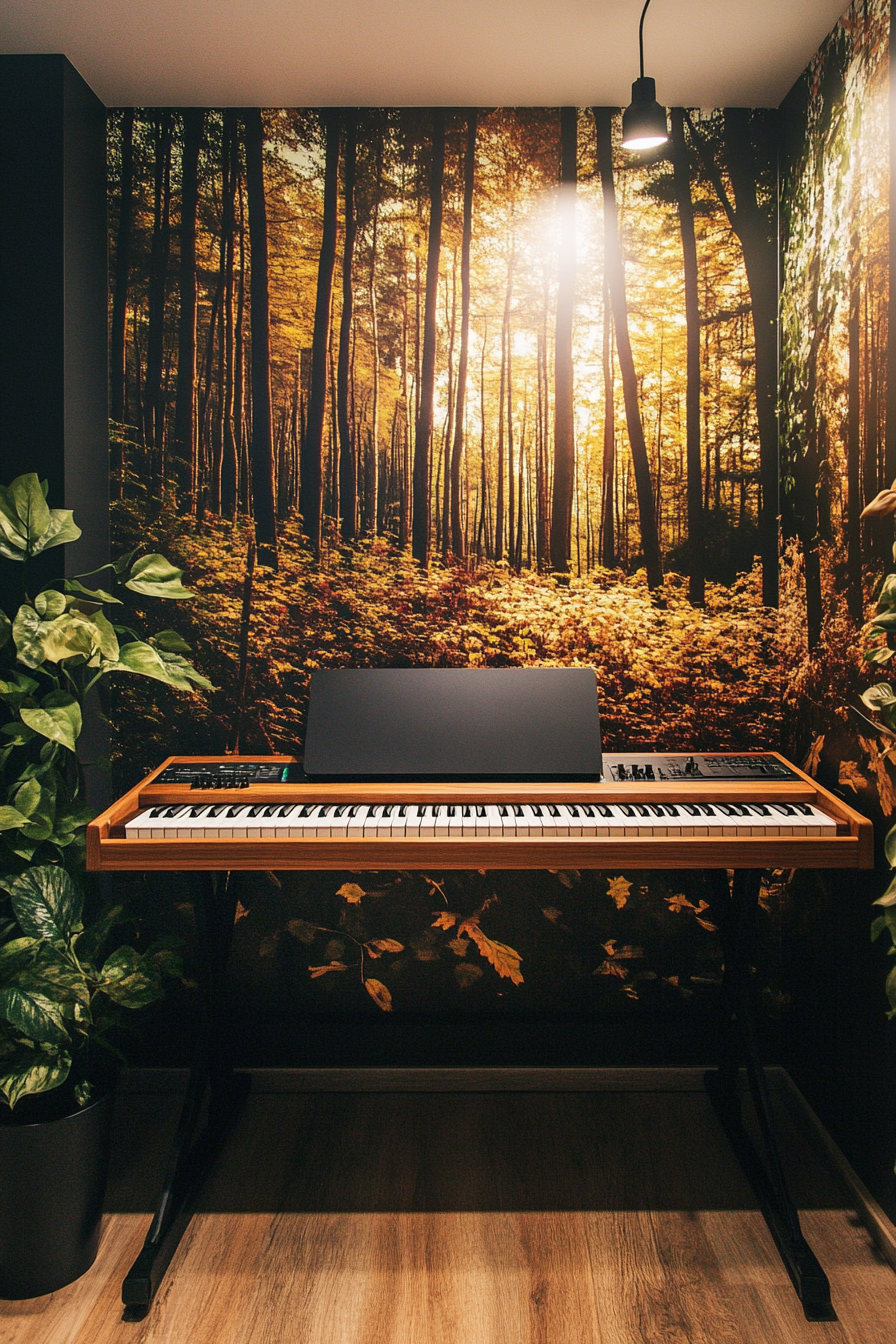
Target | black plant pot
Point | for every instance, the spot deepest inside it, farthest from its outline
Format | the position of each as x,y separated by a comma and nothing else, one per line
52,1184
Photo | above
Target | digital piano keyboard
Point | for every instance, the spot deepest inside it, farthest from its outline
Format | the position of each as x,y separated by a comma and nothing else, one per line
719,810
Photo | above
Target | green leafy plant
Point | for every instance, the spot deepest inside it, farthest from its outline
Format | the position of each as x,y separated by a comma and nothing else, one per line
57,1002
61,1004
880,700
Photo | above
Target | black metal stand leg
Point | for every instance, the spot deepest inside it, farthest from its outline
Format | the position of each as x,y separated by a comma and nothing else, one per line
192,1156
737,916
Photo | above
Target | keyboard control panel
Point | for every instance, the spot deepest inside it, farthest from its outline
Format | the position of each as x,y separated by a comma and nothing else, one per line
646,767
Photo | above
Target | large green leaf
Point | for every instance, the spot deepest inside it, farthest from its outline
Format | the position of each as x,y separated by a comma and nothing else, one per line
143,659
130,980
34,1015
170,642
29,632
16,954
58,718
47,903
157,577
182,673
49,604
877,697
28,797
79,633
53,974
16,688
27,525
5,629
11,818
887,597
32,1071
95,594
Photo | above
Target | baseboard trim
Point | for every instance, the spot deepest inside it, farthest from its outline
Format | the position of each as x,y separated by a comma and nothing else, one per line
445,1080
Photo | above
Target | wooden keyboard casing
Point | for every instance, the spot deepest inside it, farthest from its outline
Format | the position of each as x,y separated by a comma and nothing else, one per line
108,850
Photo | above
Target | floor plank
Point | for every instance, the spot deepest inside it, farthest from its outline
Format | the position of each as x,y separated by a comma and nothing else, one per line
469,1218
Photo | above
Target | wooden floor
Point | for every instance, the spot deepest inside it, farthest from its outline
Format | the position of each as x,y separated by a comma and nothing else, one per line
469,1218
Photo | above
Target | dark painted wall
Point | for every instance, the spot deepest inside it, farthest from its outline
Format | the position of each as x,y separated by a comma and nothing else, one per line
53,359
53,401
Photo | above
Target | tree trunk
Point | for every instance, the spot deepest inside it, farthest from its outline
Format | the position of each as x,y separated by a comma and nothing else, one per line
608,513
117,345
230,160
696,531
376,515
423,433
262,447
457,532
853,446
564,427
311,500
650,546
348,471
153,399
890,413
760,251
185,402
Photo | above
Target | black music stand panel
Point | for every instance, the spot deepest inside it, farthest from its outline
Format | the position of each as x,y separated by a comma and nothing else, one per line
453,724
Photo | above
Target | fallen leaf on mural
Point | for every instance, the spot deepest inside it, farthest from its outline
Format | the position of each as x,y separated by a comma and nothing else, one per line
813,757
444,920
377,946
611,968
267,947
317,971
678,903
351,891
460,946
552,913
240,913
877,761
618,889
380,994
506,960
851,776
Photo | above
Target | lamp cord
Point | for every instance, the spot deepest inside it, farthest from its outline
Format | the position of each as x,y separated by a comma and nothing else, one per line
641,35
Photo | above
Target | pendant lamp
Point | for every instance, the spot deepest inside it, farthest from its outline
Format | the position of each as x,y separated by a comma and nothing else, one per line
644,124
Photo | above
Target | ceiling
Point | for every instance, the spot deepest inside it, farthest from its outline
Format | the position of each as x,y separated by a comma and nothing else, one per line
482,53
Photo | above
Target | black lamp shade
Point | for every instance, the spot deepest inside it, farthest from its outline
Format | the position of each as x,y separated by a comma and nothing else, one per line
644,123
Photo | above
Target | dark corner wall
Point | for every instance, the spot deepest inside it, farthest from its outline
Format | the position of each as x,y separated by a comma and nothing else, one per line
53,358
53,364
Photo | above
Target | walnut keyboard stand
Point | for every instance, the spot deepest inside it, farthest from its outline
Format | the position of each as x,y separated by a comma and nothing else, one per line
685,816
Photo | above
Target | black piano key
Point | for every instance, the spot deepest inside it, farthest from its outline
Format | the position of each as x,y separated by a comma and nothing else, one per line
236,810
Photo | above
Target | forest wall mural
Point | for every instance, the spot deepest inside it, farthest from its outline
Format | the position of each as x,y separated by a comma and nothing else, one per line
414,387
